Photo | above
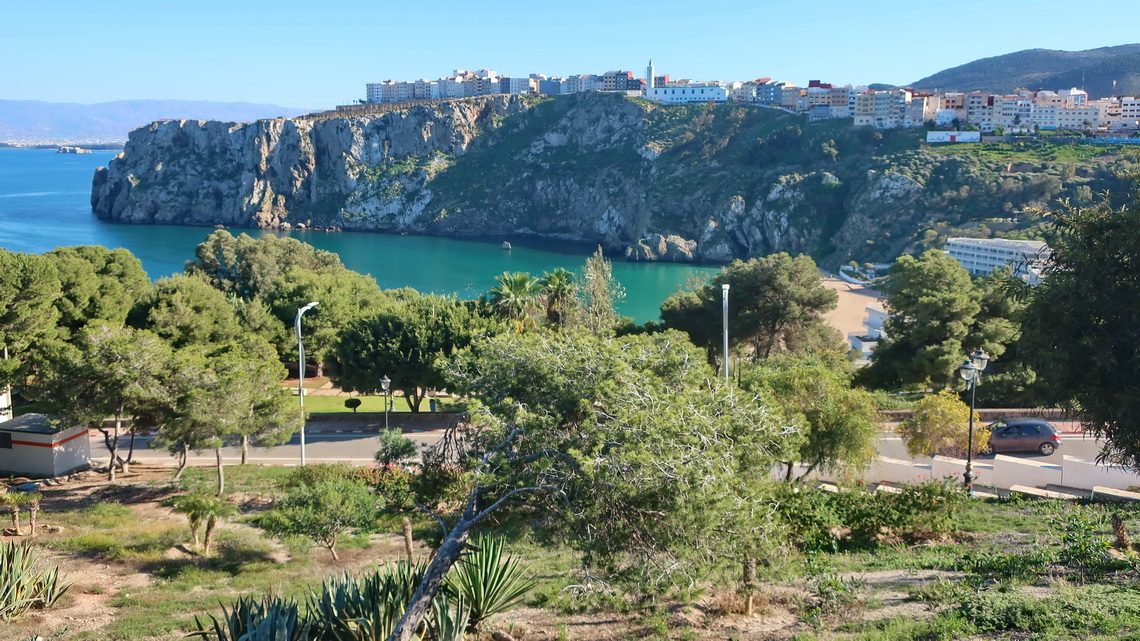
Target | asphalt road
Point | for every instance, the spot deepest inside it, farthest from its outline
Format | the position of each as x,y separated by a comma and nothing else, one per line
1076,445
320,447
359,447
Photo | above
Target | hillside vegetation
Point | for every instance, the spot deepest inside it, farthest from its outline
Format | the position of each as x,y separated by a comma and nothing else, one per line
1093,70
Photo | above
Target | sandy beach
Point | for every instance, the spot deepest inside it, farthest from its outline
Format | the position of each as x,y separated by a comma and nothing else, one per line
848,316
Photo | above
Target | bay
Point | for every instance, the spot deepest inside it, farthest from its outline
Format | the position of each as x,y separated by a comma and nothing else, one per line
45,204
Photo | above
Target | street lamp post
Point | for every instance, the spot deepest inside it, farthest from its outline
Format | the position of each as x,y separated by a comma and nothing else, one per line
385,383
971,371
724,317
301,372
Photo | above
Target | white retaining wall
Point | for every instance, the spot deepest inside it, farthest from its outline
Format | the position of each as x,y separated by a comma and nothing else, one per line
1001,471
1085,474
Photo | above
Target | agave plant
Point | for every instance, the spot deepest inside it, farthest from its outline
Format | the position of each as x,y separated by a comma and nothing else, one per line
487,583
366,608
22,586
447,623
252,619
369,607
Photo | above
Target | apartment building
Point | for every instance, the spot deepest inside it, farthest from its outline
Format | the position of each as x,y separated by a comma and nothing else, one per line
921,108
981,256
881,109
772,91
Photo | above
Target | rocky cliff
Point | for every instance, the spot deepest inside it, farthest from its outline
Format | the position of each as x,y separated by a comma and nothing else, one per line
707,182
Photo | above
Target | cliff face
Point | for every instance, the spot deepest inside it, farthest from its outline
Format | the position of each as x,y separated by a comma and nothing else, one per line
659,183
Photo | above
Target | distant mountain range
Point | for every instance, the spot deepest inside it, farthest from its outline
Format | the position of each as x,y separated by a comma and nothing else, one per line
1093,70
37,121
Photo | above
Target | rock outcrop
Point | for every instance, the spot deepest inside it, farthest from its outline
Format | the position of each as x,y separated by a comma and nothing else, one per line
695,183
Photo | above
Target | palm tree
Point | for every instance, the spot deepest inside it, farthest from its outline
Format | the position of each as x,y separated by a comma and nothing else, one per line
12,501
219,510
202,508
34,499
514,296
558,285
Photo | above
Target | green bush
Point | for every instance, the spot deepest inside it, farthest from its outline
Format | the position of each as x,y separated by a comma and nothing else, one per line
1083,548
442,486
854,517
320,472
812,517
1003,566
323,512
395,448
997,611
391,483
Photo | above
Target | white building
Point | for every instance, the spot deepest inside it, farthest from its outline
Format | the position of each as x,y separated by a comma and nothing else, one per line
953,136
873,332
687,94
981,256
33,445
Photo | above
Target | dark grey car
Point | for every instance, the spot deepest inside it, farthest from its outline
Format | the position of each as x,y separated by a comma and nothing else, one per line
1020,434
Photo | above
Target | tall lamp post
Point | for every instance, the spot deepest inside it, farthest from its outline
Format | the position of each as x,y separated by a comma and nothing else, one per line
301,372
385,383
971,371
724,317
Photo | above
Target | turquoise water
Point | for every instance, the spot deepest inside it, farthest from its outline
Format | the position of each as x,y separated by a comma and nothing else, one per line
45,203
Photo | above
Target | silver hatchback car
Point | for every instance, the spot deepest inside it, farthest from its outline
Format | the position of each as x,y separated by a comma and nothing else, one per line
1022,434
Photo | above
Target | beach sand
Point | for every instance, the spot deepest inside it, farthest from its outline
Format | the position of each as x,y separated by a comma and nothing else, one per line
848,316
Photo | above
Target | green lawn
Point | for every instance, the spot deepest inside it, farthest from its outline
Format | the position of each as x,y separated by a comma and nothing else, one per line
335,404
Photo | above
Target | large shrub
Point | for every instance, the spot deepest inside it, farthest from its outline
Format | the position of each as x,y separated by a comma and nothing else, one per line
854,517
940,424
323,512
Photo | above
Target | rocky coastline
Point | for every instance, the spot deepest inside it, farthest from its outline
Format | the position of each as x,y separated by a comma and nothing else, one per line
701,183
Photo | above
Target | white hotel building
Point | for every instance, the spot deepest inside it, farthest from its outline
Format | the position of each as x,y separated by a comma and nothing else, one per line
981,256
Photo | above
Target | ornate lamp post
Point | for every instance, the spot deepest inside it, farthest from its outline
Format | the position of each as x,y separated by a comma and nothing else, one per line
385,383
971,371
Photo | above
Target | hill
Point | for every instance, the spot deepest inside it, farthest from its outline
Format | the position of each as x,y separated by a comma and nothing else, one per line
32,121
695,182
1092,69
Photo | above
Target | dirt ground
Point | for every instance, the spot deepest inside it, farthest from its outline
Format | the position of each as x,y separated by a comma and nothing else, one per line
848,316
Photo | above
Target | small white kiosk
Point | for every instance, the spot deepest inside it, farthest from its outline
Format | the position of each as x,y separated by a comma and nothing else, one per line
34,445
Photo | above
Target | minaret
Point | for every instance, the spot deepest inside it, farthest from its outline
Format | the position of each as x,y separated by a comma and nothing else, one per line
649,77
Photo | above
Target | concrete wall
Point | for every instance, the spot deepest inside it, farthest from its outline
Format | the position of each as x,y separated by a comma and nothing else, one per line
898,471
946,466
1085,474
1006,471
1001,471
1017,471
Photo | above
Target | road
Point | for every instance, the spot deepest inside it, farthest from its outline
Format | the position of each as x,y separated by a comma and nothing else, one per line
360,446
320,447
1078,445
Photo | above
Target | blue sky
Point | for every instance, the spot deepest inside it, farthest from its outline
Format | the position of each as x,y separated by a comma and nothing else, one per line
316,55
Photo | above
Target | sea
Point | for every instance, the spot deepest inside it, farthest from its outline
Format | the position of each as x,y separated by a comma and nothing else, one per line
45,204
